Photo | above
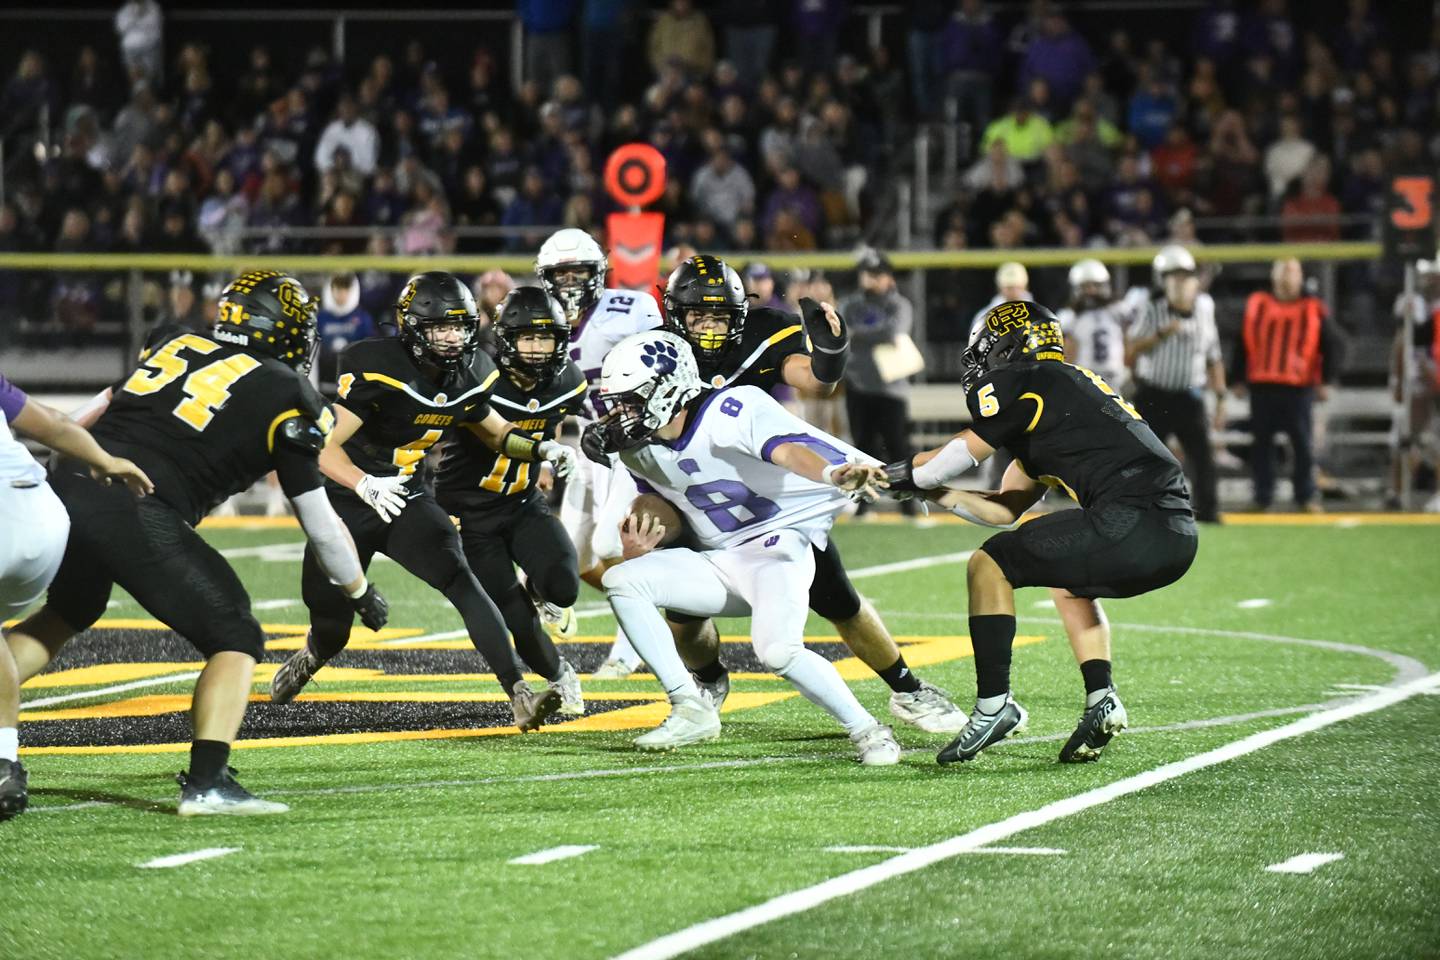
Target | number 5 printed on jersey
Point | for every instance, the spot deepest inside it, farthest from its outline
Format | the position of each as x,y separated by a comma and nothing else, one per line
206,390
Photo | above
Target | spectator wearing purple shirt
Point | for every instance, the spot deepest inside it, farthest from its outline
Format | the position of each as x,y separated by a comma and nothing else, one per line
1061,57
792,196
816,25
970,56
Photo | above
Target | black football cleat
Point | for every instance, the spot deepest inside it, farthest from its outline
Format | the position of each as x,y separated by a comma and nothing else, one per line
14,789
223,797
984,730
293,674
1098,725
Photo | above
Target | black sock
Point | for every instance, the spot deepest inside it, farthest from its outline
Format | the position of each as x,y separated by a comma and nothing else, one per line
207,760
711,672
991,637
1096,674
899,677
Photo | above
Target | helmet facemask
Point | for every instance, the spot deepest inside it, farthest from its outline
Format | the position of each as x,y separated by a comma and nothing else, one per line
540,366
575,285
700,326
431,340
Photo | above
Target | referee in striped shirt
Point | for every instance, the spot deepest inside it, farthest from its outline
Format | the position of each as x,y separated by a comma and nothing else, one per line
1173,349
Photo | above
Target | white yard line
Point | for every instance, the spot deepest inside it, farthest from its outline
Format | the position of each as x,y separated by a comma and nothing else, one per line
103,691
273,604
180,859
1254,603
799,901
541,857
1304,863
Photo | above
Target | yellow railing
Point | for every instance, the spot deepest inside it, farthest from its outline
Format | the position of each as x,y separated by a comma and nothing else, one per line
825,260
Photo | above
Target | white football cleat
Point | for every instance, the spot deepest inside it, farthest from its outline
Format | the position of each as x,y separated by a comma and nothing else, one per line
876,746
928,708
691,720
572,701
614,669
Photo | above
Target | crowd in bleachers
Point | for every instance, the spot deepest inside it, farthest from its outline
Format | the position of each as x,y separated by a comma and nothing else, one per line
782,129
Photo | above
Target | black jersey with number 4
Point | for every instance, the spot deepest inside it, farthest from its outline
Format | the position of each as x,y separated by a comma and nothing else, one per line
1069,429
759,359
471,474
405,411
200,417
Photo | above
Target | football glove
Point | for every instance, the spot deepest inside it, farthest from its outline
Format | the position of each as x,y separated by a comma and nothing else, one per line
817,327
373,608
900,474
560,457
592,443
385,495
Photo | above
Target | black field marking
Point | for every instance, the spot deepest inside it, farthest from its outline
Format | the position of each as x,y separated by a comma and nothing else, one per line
300,719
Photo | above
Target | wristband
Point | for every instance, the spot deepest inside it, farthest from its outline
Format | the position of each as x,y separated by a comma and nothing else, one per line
364,585
517,446
828,366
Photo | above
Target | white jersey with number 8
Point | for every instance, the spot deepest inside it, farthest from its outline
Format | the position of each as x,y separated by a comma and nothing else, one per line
719,474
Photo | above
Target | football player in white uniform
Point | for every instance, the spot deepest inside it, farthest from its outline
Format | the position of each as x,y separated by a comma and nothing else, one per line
571,267
759,488
1094,323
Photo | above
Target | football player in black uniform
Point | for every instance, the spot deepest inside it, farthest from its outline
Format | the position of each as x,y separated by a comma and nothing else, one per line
205,415
398,397
1135,531
706,304
504,519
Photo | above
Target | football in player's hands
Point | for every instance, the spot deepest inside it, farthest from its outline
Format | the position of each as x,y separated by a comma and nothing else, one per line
825,326
649,521
373,608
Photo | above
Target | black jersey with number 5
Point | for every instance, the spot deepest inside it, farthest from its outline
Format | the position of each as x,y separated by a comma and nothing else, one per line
405,412
758,360
1069,429
472,475
200,417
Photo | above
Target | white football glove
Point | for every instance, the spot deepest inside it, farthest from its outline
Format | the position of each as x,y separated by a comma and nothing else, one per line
386,495
559,456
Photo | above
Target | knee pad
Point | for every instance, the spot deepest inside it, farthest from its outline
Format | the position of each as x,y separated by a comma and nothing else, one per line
778,657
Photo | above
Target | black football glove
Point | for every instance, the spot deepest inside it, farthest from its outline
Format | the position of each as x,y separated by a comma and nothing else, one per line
901,476
818,328
592,444
373,608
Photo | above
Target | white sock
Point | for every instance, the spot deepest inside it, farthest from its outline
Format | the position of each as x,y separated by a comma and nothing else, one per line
653,641
819,681
9,744
624,651
991,705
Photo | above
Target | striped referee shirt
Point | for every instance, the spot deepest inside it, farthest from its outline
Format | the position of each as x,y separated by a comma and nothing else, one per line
1180,361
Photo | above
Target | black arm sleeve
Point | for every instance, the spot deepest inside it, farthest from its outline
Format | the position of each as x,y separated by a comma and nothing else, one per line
299,471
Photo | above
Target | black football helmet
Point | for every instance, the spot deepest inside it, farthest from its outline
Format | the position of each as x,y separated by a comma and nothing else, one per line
1012,331
434,299
268,312
532,310
709,285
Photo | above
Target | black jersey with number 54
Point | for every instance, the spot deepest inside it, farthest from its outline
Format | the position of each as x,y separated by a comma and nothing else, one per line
405,412
200,417
1069,429
472,475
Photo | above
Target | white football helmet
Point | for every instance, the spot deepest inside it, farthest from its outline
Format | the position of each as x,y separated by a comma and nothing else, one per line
1172,258
568,248
646,379
1089,284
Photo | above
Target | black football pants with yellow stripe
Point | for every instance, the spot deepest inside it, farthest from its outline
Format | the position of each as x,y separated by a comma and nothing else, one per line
423,541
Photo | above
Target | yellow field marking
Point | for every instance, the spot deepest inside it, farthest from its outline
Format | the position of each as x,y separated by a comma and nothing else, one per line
103,673
249,523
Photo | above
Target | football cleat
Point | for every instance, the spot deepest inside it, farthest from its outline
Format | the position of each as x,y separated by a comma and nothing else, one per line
224,797
691,720
572,701
559,622
984,730
928,708
1098,725
533,709
14,789
876,746
292,676
614,669
715,692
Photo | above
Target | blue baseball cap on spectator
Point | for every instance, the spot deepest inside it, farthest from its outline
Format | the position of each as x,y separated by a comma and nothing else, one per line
757,270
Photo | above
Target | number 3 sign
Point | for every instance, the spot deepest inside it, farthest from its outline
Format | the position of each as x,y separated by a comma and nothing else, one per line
1410,216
